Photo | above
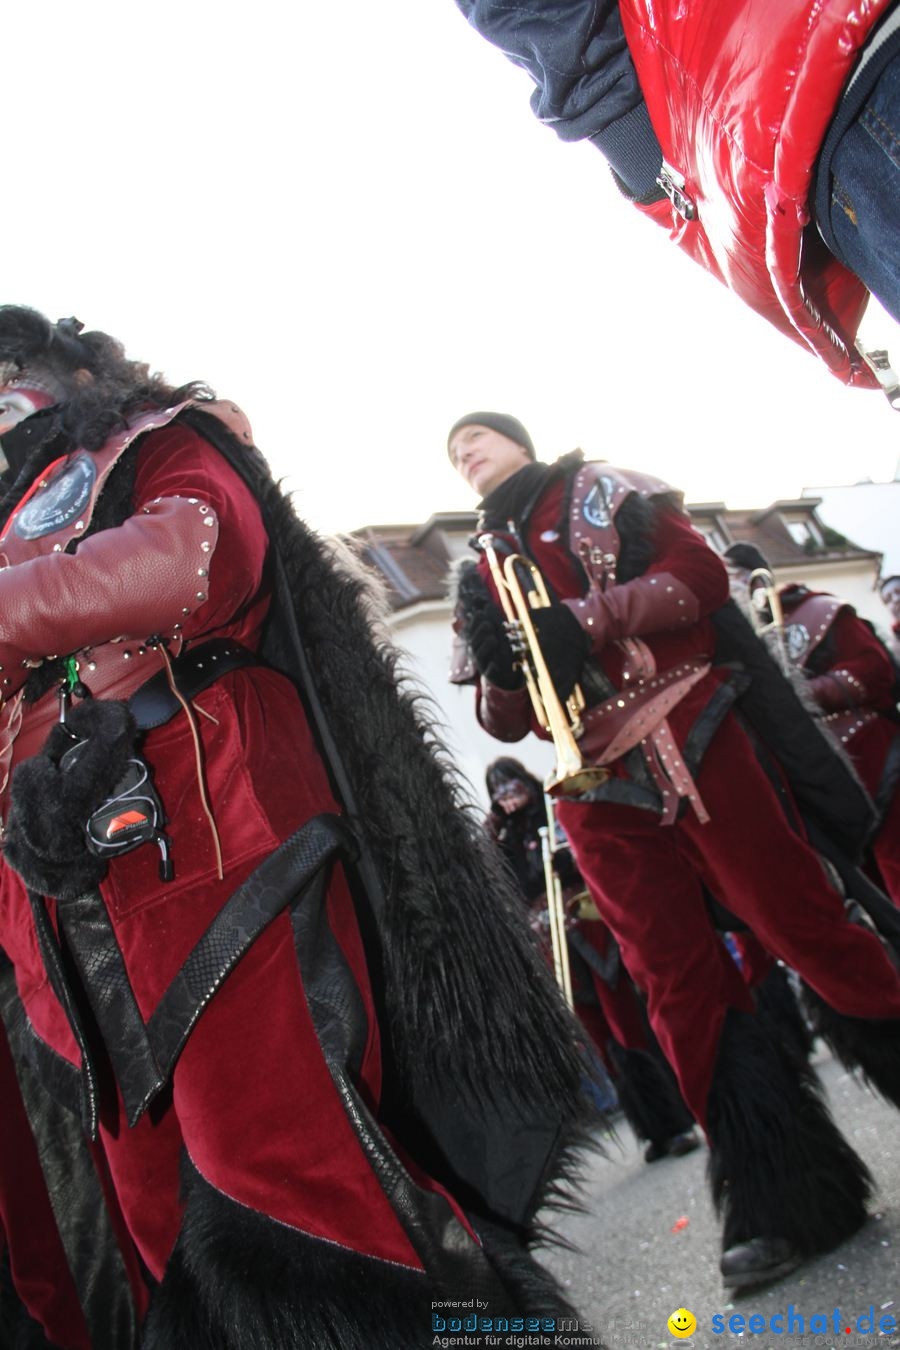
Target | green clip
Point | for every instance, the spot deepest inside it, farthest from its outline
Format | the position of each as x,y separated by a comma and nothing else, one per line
71,673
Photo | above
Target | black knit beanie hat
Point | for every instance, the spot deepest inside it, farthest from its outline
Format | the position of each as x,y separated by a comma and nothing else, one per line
746,556
502,422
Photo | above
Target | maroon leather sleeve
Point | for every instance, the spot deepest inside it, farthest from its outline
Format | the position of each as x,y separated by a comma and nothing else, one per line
649,604
833,692
133,581
504,713
861,673
685,582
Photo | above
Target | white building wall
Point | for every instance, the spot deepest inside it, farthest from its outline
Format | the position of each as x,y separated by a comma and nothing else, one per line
868,514
423,633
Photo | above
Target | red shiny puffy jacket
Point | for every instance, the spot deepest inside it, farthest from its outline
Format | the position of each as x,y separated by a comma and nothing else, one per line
740,94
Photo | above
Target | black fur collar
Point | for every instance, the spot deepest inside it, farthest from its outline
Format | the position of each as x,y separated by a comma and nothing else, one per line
515,499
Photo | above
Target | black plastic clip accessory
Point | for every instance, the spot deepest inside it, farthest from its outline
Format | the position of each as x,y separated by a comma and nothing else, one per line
131,816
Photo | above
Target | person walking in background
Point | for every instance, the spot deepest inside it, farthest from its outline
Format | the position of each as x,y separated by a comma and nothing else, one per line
605,1000
684,809
851,679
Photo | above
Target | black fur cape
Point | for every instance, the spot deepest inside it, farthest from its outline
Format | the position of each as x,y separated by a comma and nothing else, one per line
483,1065
475,1017
478,1035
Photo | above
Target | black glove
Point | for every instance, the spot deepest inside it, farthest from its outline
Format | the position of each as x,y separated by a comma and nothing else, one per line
45,839
564,644
484,629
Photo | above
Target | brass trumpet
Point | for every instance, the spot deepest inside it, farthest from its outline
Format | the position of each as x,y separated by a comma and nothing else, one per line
563,723
555,906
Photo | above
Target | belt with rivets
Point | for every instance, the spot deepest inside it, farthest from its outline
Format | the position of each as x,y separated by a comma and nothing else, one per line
193,670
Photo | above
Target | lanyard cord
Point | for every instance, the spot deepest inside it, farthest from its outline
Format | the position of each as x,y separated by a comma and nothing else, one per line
201,783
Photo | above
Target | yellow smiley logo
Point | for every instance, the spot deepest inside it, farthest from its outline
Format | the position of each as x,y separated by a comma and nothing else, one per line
682,1323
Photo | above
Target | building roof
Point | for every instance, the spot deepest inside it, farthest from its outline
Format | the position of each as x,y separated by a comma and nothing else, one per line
415,560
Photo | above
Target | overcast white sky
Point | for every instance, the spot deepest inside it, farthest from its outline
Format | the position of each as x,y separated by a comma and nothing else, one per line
345,217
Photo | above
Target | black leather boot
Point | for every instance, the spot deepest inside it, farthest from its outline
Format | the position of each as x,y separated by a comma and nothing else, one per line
783,1177
747,1265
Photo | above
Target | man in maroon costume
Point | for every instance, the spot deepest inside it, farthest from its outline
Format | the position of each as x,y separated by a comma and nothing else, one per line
852,681
202,998
605,1000
687,804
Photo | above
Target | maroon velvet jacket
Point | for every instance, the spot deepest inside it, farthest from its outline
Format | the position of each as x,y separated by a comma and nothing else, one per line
254,741
850,676
652,638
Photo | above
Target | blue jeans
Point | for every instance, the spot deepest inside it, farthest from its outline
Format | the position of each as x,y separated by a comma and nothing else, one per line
857,200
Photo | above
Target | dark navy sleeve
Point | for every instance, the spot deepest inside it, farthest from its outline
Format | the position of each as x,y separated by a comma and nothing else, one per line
586,84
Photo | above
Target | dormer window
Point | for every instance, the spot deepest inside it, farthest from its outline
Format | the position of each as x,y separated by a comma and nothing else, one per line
712,534
804,531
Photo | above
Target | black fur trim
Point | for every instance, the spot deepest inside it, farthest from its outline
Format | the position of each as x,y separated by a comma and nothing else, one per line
239,1281
454,1005
776,1004
533,1291
517,496
869,1045
649,1095
562,1188
18,1330
45,839
778,1166
635,523
824,784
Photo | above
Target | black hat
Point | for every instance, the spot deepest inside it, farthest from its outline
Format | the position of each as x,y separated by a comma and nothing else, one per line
505,423
507,770
747,556
29,339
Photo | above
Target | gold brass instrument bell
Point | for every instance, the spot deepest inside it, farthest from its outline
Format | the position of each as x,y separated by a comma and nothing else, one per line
563,721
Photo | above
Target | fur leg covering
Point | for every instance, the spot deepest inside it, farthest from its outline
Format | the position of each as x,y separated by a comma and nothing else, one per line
777,1005
18,1331
239,1281
532,1290
648,1095
868,1044
779,1167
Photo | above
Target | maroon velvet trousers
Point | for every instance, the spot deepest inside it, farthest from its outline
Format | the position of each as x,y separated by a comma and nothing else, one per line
647,882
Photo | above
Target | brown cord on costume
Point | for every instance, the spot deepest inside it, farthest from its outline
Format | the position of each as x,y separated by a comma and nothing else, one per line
201,782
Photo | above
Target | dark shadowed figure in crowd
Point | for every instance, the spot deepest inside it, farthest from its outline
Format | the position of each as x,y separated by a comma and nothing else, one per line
260,966
852,682
689,809
605,999
762,137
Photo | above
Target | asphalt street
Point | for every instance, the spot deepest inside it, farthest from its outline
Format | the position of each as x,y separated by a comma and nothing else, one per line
648,1243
